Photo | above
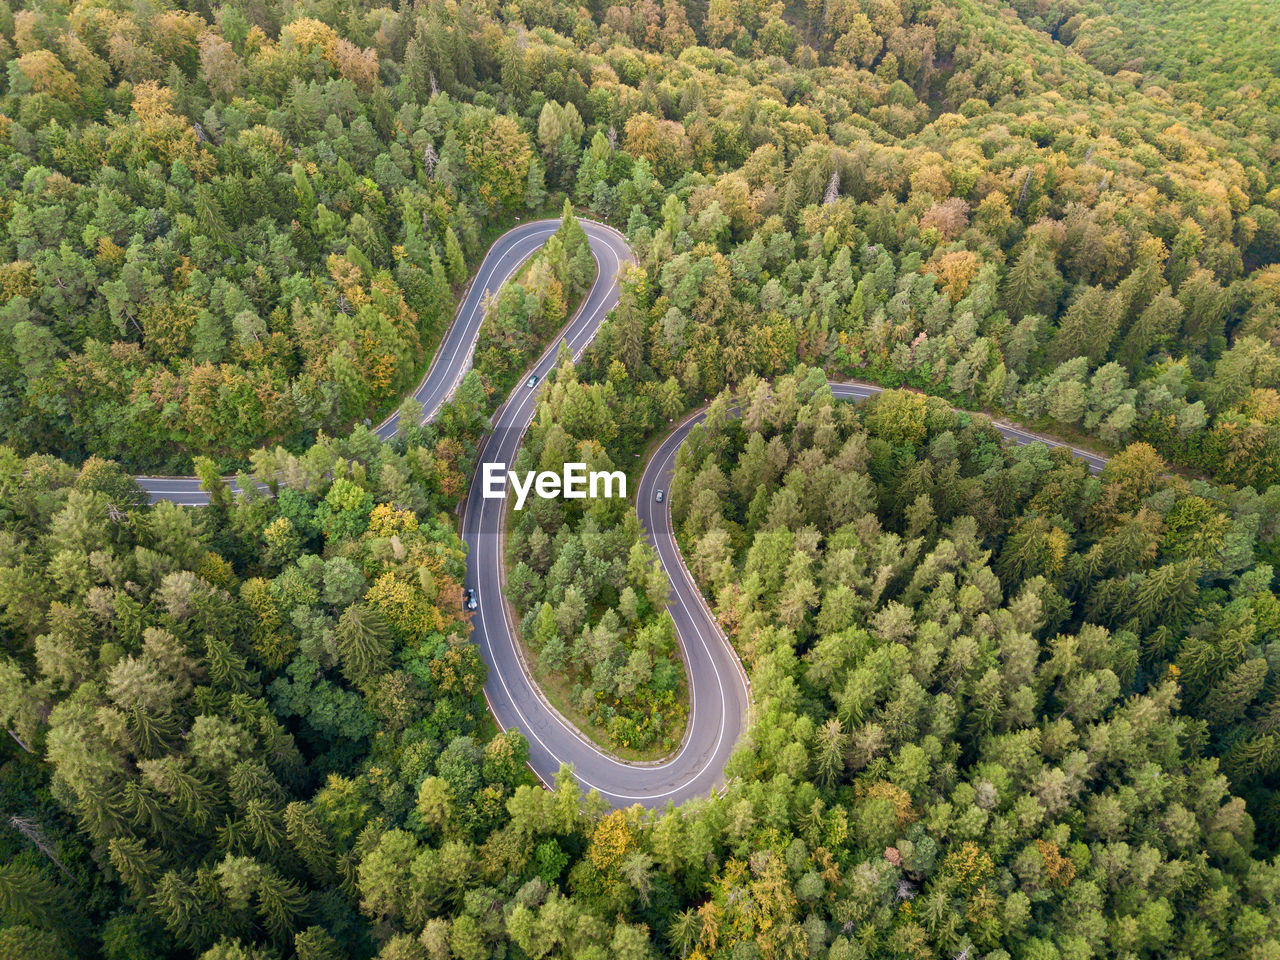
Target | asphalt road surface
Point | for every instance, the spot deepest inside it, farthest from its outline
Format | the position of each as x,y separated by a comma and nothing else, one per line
719,691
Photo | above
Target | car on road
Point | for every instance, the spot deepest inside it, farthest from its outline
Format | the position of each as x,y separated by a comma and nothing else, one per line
658,496
469,599
532,381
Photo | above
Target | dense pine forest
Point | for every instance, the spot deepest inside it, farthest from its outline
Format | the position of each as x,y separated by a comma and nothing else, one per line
1002,707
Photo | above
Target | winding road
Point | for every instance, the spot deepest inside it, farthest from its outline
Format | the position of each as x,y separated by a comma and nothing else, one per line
719,690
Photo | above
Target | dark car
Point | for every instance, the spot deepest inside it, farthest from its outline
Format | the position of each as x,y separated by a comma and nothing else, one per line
532,381
469,599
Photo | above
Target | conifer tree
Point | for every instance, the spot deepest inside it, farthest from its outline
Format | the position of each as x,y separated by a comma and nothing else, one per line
454,261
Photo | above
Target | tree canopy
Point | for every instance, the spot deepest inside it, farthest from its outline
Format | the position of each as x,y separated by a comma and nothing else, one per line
1003,708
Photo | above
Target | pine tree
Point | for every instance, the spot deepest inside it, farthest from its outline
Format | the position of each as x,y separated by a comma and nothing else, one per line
280,902
417,71
264,826
209,216
514,75
1088,327
226,668
192,796
315,943
137,865
176,904
1156,325
1230,697
305,194
582,267
362,642
27,896
535,193
685,930
102,808
456,264
308,839
1032,284
437,299
214,485
1257,756
832,743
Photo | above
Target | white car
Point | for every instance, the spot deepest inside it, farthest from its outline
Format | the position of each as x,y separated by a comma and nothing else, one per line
658,496
532,381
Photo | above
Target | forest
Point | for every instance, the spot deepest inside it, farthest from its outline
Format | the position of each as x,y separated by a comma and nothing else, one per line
590,587
1003,708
